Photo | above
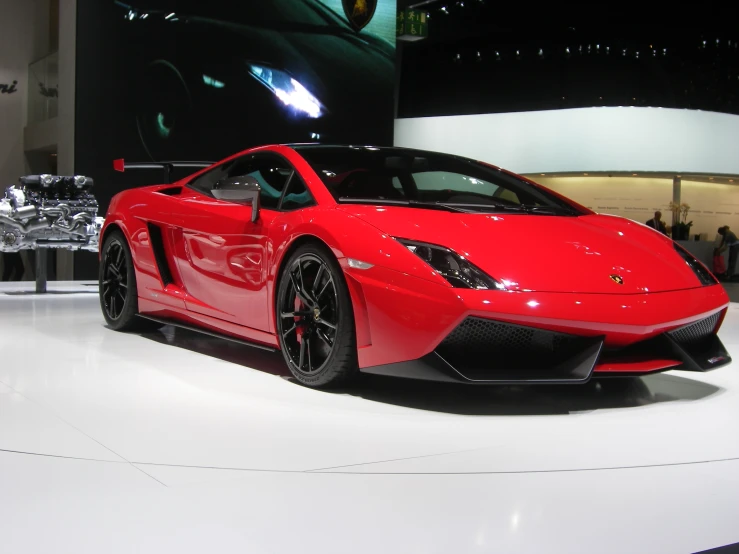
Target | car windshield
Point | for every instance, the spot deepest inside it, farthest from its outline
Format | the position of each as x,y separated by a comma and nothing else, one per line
367,175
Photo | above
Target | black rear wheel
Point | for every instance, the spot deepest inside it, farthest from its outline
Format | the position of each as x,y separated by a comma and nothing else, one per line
118,291
315,320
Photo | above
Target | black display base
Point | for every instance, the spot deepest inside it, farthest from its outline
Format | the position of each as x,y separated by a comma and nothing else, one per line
42,270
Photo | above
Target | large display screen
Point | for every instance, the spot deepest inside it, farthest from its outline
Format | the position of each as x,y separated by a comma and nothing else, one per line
200,80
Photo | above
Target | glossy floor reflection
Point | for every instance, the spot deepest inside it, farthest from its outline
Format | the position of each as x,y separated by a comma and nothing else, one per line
175,441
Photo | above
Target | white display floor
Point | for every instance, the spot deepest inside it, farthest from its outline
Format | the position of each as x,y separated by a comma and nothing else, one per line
176,442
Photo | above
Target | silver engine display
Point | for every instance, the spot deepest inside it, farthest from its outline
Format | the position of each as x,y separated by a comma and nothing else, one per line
49,211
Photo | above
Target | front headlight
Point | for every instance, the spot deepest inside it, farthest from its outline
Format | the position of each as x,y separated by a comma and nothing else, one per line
454,268
292,93
704,276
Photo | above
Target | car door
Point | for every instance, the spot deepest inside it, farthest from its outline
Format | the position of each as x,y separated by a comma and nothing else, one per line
223,254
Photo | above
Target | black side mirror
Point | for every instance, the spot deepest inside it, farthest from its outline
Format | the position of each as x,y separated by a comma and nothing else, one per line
241,190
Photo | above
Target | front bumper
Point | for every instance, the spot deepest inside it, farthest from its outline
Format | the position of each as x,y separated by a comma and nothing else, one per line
414,328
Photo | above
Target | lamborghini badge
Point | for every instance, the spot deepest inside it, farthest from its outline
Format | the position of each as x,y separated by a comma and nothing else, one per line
359,12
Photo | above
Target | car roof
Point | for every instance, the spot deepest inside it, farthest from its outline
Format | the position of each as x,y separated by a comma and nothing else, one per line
298,147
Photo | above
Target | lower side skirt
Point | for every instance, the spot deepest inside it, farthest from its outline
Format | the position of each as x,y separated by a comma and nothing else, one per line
203,331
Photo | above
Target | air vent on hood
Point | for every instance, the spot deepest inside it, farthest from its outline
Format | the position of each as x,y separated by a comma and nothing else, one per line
171,191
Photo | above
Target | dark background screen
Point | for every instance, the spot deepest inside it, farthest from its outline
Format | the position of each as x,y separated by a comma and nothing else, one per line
165,80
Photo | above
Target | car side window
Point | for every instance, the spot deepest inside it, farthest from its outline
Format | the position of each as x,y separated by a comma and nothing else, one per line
207,181
272,174
269,170
297,195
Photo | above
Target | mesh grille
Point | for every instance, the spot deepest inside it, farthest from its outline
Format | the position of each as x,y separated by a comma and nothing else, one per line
696,332
482,343
475,333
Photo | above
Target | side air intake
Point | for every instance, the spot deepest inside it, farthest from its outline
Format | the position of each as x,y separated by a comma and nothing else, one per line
157,246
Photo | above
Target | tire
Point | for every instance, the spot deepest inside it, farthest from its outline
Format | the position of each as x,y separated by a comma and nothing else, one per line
119,300
315,319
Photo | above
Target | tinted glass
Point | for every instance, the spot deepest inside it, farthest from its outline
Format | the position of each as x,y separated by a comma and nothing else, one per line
387,174
206,181
297,195
270,171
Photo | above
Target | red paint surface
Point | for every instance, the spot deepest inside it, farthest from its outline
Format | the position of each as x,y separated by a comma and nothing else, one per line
556,269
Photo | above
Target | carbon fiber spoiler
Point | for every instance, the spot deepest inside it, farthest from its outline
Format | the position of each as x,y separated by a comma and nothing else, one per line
168,167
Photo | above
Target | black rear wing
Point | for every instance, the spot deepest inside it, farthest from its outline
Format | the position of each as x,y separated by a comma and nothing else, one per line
168,167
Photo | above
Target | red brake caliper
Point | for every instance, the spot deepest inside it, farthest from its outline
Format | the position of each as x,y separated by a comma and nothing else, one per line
299,307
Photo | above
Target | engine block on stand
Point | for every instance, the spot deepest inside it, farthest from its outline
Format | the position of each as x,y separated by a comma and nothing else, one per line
50,211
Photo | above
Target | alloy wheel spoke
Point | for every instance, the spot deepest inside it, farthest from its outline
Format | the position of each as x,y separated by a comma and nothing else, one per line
302,354
299,313
329,282
112,307
325,338
307,349
290,330
302,285
300,274
299,292
119,258
317,280
120,293
326,323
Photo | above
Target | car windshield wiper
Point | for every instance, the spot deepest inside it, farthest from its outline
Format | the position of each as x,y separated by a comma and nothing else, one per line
466,208
525,208
549,210
411,203
476,207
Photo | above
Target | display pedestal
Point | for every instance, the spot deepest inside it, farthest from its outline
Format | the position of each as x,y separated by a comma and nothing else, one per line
42,259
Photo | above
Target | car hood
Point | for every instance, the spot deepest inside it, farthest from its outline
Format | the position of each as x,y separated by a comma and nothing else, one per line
585,254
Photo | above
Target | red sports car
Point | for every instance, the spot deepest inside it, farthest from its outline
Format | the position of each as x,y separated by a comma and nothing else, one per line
402,262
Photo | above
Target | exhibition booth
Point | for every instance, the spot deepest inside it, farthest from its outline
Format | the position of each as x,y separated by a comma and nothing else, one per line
281,263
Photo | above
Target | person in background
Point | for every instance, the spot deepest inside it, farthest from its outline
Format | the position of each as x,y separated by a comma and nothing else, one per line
657,224
729,241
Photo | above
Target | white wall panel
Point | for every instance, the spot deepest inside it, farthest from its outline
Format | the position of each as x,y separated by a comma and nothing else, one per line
633,197
587,139
711,205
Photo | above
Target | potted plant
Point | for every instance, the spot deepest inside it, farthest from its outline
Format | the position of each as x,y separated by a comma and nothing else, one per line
681,229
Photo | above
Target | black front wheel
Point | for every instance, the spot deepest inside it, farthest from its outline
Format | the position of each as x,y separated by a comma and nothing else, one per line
118,292
315,320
